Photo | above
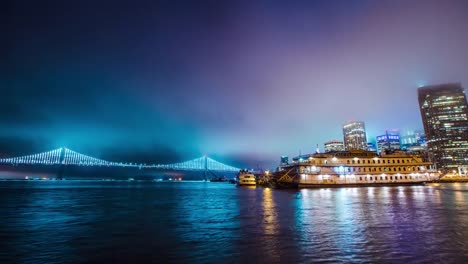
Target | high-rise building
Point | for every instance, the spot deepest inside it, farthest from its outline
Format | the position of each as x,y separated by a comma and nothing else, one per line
334,145
444,113
412,138
371,147
354,134
390,141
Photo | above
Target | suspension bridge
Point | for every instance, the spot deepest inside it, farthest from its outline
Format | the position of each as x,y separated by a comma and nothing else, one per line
67,157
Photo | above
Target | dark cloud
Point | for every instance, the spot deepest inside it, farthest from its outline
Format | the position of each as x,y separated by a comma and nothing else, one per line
13,145
176,79
158,154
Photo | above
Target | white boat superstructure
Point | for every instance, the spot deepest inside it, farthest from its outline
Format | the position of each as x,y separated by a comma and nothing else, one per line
359,168
246,178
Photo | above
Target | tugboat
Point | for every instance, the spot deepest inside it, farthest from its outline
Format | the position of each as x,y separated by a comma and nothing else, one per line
246,178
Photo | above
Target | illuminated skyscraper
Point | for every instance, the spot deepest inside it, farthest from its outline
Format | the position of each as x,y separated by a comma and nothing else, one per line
390,141
444,113
354,134
412,138
371,147
333,145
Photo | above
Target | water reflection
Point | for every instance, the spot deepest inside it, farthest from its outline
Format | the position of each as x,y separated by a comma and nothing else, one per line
218,223
399,223
270,224
206,218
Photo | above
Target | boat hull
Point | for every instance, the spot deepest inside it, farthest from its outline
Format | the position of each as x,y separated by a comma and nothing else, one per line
247,184
341,185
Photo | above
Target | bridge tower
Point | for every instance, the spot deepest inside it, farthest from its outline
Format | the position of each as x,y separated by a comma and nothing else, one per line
205,167
61,164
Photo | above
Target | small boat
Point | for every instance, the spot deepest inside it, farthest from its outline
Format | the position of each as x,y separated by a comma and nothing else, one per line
246,178
219,179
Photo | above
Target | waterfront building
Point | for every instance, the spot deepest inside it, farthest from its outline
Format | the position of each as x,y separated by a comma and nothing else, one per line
444,113
354,134
334,145
390,141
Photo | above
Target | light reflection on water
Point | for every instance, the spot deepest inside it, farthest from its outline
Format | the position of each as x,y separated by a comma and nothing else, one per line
129,222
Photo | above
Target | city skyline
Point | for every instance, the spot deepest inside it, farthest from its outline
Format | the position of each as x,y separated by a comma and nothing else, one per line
166,82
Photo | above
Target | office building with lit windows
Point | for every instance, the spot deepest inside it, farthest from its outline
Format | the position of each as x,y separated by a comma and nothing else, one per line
371,147
444,113
334,145
412,138
390,141
354,134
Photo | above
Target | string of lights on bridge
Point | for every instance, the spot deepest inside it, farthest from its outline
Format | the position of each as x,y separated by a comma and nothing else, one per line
65,156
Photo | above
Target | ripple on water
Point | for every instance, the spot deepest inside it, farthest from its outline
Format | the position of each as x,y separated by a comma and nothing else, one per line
215,222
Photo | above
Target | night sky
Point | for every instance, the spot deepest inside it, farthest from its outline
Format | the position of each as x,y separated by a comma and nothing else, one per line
241,81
